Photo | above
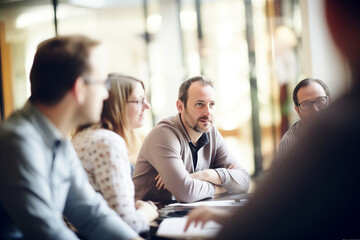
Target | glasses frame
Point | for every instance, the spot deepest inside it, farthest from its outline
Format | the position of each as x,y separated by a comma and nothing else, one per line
314,103
140,102
107,83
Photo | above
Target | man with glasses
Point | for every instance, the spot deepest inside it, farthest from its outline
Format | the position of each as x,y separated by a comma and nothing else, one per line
310,96
185,157
41,177
314,193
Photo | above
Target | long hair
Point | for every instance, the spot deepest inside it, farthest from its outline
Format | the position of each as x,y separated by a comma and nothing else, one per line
114,114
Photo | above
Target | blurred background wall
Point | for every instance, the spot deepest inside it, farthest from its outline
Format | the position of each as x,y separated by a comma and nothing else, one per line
255,52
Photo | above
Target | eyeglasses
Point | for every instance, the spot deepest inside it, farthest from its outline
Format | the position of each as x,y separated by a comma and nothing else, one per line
320,103
107,83
139,102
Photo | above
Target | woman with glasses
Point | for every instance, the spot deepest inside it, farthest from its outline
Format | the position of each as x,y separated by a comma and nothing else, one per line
103,150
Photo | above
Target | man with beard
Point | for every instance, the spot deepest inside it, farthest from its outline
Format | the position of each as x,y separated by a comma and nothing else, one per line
310,96
185,157
314,192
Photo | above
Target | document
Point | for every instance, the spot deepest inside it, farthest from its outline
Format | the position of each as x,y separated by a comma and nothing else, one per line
174,228
222,203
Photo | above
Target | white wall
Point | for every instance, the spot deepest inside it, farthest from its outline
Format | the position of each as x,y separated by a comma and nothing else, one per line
322,59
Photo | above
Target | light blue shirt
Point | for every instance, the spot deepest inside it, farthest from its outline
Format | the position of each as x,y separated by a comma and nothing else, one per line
41,179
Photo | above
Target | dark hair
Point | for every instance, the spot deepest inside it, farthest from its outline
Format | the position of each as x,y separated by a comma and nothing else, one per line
305,82
57,63
351,8
183,90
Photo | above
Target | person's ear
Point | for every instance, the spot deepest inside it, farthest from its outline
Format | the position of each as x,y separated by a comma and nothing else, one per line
297,110
180,106
79,90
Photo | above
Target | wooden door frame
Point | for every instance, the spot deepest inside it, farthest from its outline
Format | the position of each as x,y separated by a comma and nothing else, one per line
7,95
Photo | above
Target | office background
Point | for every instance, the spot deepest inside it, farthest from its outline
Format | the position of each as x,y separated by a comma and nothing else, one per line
255,52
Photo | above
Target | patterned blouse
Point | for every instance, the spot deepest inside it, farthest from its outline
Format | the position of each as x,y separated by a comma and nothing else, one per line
103,154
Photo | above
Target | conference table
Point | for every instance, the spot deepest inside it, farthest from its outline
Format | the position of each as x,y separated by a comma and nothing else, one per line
177,211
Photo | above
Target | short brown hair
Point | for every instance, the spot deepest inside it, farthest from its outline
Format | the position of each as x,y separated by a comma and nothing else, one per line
57,63
184,88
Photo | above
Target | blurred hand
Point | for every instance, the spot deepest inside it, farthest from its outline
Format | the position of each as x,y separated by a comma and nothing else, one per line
204,214
219,190
138,238
148,208
232,166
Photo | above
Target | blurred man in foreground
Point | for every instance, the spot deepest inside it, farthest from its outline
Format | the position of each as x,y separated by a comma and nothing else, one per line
41,177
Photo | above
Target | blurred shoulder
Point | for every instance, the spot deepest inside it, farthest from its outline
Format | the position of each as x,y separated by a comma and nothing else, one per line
99,135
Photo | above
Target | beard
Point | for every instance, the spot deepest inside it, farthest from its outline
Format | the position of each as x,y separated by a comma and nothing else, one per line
308,118
198,125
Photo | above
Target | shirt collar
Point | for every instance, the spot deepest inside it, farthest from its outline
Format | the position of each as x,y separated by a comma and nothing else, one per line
203,140
47,130
181,127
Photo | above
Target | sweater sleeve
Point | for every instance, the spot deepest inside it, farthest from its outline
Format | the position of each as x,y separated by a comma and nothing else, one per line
235,180
163,150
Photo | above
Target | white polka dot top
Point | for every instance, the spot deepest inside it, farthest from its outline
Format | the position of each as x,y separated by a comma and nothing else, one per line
104,156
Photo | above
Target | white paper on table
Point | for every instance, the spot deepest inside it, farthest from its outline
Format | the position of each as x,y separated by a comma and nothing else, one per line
220,203
174,228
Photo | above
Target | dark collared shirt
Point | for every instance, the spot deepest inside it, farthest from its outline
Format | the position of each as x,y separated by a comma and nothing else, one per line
203,140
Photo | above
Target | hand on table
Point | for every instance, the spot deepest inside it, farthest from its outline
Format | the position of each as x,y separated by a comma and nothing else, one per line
204,214
148,208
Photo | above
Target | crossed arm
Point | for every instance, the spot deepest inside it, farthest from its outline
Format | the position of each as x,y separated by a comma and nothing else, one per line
168,154
209,175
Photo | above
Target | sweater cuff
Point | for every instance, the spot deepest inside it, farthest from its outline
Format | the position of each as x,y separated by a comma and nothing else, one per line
222,174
